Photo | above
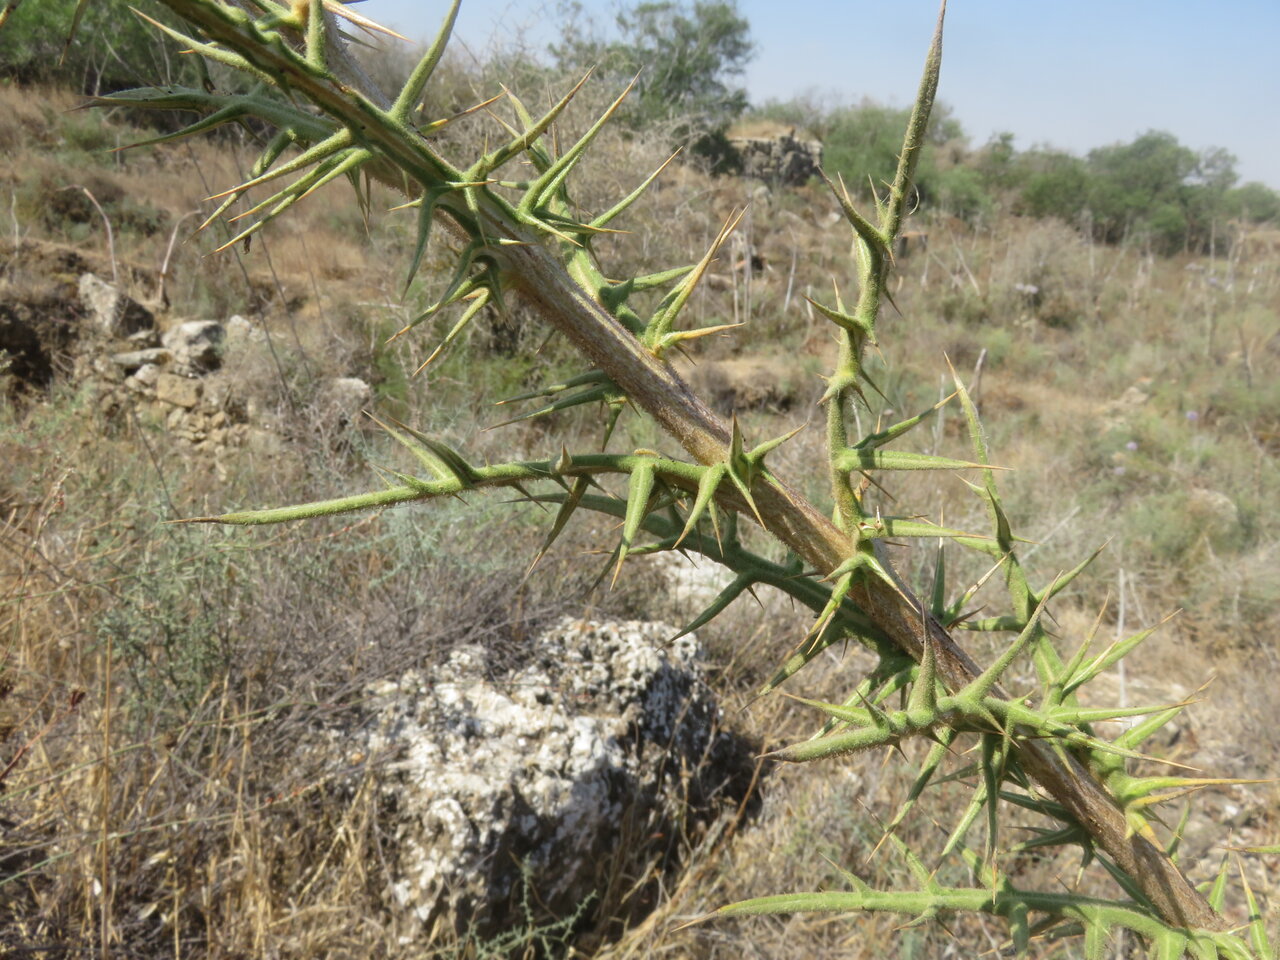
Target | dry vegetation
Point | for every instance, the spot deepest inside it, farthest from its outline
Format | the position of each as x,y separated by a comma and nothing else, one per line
155,679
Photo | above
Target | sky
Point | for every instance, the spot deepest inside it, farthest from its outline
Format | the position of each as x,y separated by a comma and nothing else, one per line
1073,74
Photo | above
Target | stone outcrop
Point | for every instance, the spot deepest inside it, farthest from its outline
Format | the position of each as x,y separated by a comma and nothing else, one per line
543,775
178,391
132,360
777,154
196,346
111,311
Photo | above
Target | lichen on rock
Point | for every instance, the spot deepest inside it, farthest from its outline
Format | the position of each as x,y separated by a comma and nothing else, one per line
553,775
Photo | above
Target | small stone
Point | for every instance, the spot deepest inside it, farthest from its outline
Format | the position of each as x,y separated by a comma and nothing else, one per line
134,359
216,391
147,375
240,329
144,379
196,346
219,419
1215,508
180,391
109,403
105,369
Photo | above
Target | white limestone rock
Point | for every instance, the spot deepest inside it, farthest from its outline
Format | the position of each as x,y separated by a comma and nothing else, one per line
483,772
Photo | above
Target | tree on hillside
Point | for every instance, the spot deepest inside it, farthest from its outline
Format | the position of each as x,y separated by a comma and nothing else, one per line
689,57
110,49
1140,189
1153,190
1252,202
1054,184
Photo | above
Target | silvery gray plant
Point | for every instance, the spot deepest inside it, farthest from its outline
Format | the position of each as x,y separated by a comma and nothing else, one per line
1037,753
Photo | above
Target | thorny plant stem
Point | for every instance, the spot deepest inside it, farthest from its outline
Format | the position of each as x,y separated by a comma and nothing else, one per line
652,385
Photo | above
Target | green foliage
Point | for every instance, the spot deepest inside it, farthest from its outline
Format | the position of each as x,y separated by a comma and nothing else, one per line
110,48
1253,201
1055,184
688,57
1142,189
1153,191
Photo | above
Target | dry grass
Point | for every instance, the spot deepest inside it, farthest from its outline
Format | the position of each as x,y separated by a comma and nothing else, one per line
155,679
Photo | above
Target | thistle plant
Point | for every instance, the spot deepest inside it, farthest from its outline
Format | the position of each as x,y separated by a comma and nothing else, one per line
517,235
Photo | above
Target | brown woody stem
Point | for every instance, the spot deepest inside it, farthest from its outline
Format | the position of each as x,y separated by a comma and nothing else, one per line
652,385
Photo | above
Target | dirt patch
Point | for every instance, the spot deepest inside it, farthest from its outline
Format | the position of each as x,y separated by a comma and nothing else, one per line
740,384
42,317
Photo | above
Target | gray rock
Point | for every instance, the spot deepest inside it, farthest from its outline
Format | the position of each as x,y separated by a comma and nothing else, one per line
196,346
144,379
552,769
134,359
783,156
242,329
112,311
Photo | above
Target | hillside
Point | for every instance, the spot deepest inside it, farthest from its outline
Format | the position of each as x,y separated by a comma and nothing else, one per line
163,687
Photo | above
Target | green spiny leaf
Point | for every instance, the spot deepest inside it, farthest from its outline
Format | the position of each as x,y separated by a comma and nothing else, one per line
845,321
1257,922
862,227
869,458
879,528
1112,655
708,483
210,50
302,187
591,377
552,180
604,391
808,649
938,596
922,705
881,437
478,303
1218,892
981,685
660,325
411,92
741,583
604,218
639,489
937,753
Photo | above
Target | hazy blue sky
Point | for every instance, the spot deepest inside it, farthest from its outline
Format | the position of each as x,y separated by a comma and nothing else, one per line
1072,73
